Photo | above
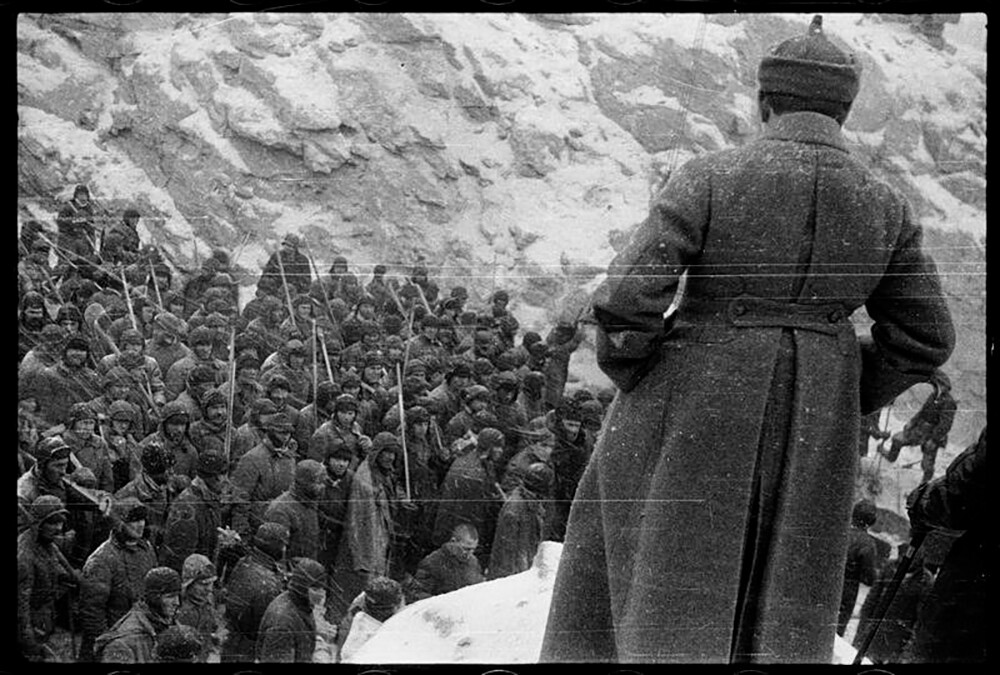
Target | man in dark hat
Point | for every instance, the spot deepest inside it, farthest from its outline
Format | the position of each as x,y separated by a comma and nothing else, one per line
69,381
521,525
43,576
296,509
194,517
711,522
378,289
314,415
127,235
382,598
447,396
76,241
264,473
255,581
929,427
32,318
365,546
470,492
293,263
862,560
154,485
287,631
214,420
133,638
113,574
44,478
201,340
336,458
172,435
44,354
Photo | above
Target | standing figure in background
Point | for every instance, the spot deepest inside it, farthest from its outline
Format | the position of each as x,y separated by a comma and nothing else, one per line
929,427
953,625
862,560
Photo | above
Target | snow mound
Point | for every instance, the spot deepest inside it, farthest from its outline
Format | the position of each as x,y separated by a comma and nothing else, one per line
500,621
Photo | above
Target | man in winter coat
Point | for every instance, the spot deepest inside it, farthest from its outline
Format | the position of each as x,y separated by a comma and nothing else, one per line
562,341
343,424
929,427
75,224
335,457
200,380
287,631
193,518
447,396
251,432
521,525
214,420
167,346
296,509
154,485
365,544
201,341
953,625
248,389
287,266
44,354
173,437
264,473
382,598
43,576
44,478
66,383
717,501
862,560
87,447
314,415
450,567
132,341
568,458
471,494
133,638
113,574
197,608
255,581
33,317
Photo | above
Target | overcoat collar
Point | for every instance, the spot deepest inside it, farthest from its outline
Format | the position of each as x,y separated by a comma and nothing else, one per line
806,127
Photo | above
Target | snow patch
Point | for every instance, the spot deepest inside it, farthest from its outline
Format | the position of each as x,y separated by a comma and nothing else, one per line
199,124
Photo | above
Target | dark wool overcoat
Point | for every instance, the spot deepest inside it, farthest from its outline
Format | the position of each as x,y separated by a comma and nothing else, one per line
711,521
256,580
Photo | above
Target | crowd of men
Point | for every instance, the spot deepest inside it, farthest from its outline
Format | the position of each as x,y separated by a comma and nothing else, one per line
202,481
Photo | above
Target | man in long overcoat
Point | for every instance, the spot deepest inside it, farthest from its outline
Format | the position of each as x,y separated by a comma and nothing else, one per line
710,524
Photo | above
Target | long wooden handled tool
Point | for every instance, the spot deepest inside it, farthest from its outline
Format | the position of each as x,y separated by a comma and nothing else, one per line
319,280
315,373
423,298
326,357
284,284
232,393
402,431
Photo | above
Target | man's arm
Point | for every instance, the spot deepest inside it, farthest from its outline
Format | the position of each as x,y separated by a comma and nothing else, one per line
642,279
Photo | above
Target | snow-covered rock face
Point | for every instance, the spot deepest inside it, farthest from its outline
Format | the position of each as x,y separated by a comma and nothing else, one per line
503,150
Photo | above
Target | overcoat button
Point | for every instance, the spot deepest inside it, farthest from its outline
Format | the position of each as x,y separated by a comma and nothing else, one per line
739,309
835,315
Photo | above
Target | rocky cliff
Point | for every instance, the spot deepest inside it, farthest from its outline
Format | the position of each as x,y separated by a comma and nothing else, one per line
503,150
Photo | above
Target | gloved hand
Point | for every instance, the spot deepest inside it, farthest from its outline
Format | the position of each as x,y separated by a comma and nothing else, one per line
918,526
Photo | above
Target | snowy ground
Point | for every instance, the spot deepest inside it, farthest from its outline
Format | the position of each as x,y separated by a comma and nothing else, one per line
501,621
